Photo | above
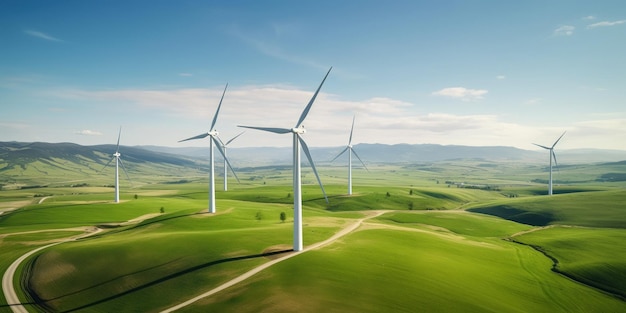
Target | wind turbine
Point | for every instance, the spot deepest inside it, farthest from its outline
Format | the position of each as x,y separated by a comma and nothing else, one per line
552,156
118,161
297,132
225,164
351,151
214,139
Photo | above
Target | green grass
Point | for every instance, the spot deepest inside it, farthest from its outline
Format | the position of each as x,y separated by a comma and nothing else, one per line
382,270
591,209
596,257
429,257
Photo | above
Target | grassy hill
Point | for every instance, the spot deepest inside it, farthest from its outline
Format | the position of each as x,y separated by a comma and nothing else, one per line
465,235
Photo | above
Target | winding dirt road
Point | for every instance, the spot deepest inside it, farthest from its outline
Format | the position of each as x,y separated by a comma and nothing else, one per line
261,267
7,280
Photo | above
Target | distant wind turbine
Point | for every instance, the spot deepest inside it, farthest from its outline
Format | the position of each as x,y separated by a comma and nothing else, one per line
552,156
214,139
225,164
297,132
351,151
118,161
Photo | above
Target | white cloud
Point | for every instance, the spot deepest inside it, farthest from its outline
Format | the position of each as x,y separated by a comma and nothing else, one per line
41,35
565,30
461,93
172,115
589,18
605,24
500,77
185,74
87,132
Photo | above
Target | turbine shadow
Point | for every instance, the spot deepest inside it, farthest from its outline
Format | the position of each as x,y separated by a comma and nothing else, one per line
162,279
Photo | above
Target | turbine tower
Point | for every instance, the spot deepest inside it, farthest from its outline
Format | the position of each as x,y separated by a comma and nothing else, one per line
118,161
351,151
225,164
297,132
552,156
214,139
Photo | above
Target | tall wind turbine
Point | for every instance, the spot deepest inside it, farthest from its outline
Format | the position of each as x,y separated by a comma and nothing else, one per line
214,139
351,151
118,161
552,156
297,132
225,164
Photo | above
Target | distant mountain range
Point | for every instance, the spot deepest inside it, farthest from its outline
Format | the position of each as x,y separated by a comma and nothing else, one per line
18,156
401,153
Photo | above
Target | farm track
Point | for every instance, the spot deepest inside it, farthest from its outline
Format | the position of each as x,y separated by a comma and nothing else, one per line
262,267
8,288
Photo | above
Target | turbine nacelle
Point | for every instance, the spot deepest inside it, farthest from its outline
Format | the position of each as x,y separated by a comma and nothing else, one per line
298,130
213,133
117,154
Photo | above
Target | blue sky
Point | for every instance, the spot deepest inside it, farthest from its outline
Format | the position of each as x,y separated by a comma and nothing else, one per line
478,73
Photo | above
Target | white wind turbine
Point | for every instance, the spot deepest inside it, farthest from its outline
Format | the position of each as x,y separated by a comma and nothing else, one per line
118,161
214,139
552,156
350,152
225,164
297,132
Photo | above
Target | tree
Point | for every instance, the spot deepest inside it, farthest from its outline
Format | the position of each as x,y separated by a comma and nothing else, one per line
283,216
388,194
162,210
410,205
136,196
411,192
259,216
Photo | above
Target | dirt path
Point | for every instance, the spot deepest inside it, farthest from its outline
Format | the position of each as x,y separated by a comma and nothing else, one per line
7,280
42,200
263,266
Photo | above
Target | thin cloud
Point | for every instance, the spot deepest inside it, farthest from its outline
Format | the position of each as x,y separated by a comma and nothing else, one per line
589,18
461,93
41,35
534,101
500,77
565,30
185,74
87,132
605,24
273,50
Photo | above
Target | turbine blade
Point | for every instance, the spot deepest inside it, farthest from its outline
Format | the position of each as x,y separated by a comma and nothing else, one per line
351,129
231,140
357,156
308,156
221,142
269,129
308,107
195,137
541,146
556,164
218,109
557,141
125,172
105,165
219,148
340,153
117,147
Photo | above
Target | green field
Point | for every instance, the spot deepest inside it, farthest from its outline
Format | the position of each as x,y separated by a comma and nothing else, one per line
465,236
